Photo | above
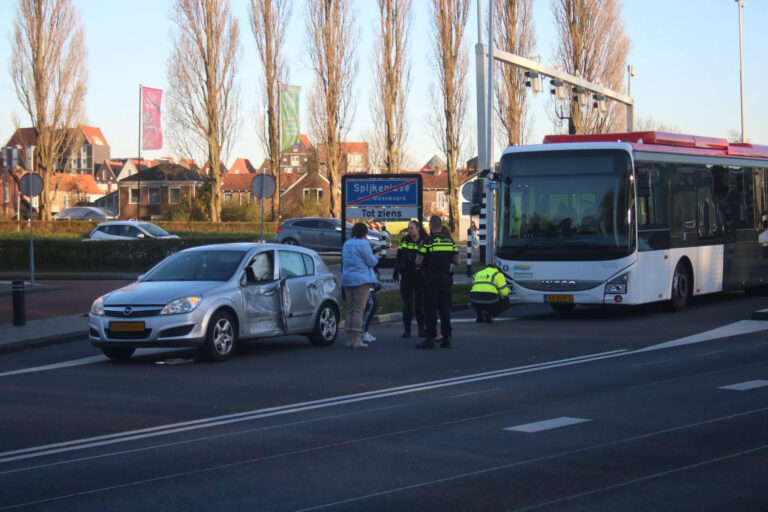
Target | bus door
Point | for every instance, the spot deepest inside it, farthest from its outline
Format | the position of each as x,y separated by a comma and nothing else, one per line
653,232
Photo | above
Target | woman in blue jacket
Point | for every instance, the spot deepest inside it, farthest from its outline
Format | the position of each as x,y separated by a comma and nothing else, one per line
357,276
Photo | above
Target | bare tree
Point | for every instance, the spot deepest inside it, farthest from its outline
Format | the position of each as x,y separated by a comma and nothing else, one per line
331,55
649,124
268,21
48,65
452,60
392,79
592,44
203,93
513,32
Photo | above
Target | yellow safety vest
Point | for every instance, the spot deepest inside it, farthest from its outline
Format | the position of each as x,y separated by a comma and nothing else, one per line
490,280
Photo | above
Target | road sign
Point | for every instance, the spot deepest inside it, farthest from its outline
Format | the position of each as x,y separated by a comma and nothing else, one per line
263,186
31,184
466,191
381,197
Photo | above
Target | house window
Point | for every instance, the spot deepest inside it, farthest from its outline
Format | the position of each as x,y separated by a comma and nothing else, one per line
288,170
6,193
134,199
66,201
295,160
227,197
442,202
174,195
314,194
154,195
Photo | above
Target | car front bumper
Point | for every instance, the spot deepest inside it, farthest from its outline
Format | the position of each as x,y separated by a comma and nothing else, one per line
183,330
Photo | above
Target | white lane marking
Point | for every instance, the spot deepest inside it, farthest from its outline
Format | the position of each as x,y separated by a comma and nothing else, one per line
472,320
735,329
54,366
540,426
121,437
744,386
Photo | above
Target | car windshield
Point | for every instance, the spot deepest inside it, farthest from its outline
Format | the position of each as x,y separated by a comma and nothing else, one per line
213,265
153,230
566,205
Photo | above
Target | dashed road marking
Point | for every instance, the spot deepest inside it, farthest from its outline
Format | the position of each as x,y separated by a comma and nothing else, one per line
539,426
744,386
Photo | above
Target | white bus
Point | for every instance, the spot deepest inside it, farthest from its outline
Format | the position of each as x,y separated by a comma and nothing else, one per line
631,218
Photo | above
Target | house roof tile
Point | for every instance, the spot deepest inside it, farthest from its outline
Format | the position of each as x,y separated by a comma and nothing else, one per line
81,183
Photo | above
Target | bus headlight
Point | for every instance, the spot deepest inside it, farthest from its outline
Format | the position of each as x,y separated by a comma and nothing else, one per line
617,285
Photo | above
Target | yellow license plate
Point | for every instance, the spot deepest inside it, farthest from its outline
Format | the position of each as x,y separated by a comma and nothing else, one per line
559,299
127,326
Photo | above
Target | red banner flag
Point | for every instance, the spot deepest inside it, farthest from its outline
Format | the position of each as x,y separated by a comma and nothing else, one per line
151,130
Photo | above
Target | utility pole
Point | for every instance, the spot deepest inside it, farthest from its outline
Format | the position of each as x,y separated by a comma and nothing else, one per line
741,71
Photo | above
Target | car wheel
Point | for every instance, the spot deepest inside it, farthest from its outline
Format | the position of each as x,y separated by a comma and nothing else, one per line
290,241
220,338
563,308
681,288
118,353
326,326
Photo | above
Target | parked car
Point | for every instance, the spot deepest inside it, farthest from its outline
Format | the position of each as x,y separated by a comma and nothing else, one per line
128,230
323,234
213,296
84,213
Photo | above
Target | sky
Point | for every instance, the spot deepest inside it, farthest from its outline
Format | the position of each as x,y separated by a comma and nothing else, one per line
685,54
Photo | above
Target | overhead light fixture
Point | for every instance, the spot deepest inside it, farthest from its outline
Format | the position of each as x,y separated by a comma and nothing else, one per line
558,89
533,80
600,103
581,96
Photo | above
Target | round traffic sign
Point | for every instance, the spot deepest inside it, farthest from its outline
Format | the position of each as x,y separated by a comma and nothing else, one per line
466,191
263,186
31,184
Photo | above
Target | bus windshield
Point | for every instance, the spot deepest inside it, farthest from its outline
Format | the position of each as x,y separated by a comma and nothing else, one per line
566,205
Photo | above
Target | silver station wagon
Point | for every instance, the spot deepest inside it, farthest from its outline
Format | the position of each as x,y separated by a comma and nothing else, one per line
215,295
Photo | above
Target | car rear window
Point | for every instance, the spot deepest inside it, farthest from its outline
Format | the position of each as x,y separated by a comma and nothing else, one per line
197,266
153,230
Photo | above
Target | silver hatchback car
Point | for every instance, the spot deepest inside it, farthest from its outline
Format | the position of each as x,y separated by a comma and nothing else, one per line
212,296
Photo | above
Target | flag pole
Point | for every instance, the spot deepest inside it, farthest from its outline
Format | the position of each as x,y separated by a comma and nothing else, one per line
138,162
279,150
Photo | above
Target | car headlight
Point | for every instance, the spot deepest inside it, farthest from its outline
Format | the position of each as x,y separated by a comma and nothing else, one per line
97,308
182,305
617,285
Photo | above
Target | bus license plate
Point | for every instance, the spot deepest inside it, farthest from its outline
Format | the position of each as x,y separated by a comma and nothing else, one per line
127,326
559,299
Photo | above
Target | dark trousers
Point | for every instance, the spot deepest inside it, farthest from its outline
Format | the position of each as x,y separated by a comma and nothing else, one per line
412,293
438,302
488,303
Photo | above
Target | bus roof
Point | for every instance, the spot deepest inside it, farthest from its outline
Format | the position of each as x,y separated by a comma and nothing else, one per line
669,143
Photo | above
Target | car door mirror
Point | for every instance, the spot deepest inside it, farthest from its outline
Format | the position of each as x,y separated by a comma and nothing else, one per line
244,279
338,228
140,235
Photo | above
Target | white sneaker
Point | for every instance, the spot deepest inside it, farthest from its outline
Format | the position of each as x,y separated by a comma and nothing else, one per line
367,337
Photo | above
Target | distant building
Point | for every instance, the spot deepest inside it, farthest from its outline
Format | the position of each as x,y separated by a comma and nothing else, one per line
162,187
91,151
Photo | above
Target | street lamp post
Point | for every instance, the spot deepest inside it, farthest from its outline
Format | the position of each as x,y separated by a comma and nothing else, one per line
741,5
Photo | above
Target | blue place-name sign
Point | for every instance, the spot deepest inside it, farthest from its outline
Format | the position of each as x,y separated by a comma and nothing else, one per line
382,192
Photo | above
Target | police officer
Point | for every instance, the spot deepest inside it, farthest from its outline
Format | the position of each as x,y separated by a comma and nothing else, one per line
435,258
489,294
411,281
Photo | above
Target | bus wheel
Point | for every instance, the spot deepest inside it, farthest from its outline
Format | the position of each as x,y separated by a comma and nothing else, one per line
563,308
681,288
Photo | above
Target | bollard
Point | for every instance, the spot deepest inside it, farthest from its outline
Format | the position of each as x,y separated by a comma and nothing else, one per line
19,313
470,241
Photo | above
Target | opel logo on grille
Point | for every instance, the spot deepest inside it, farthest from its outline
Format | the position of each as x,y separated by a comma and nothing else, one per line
127,311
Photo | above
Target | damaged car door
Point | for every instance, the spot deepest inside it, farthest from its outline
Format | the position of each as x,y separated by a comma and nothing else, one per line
262,298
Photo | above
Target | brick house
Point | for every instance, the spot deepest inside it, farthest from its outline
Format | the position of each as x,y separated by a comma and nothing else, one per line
242,166
72,190
162,187
11,199
293,160
91,151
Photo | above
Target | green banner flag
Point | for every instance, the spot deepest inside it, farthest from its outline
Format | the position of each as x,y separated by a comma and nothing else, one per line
290,126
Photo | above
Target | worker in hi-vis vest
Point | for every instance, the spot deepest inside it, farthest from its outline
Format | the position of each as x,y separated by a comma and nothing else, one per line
489,294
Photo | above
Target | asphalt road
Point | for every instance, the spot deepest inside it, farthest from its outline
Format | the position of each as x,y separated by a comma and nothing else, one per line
601,409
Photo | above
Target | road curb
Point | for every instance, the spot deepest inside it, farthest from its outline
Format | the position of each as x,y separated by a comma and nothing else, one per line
760,314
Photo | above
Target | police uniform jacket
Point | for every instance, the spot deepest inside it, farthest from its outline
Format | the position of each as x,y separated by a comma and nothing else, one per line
490,280
405,261
438,251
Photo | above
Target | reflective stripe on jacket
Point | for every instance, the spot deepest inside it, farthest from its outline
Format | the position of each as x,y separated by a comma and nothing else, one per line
490,280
